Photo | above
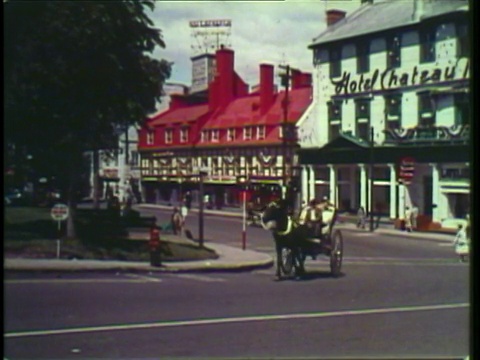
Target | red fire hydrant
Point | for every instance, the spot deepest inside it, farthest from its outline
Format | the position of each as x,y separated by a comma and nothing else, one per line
154,246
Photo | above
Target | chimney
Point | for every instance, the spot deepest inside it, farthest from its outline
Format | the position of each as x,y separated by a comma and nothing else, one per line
225,72
177,101
333,16
418,9
266,87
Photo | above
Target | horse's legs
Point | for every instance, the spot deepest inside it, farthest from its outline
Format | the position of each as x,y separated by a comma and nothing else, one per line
298,260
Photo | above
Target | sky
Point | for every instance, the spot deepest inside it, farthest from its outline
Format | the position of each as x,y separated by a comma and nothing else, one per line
277,32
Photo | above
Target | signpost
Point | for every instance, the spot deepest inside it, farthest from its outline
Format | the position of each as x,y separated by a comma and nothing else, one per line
59,213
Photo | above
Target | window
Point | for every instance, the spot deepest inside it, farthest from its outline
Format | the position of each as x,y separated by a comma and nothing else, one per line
427,45
184,135
363,63
393,111
334,119
261,132
134,158
204,136
150,137
335,62
168,136
231,135
393,51
362,116
426,110
461,109
463,41
247,133
215,135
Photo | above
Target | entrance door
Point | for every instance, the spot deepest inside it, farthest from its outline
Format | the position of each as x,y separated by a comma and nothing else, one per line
427,195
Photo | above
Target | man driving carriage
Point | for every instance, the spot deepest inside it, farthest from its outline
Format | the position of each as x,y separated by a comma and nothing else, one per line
312,216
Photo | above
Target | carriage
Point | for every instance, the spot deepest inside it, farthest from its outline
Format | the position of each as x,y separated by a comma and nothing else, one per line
295,241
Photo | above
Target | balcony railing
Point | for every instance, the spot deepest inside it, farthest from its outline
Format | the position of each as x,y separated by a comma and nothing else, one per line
432,134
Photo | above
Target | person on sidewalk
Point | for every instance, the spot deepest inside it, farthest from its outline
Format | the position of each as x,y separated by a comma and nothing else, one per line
461,242
414,216
361,218
177,222
408,219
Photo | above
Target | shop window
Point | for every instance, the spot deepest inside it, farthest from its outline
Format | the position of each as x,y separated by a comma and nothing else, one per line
393,51
426,110
168,136
335,62
393,111
427,45
363,60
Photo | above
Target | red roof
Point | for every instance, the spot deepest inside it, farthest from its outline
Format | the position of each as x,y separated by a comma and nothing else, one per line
180,115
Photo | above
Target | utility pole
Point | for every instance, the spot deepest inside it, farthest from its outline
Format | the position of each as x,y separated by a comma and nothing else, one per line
284,128
371,160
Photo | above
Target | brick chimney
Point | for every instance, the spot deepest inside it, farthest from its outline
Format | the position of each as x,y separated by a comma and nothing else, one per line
300,79
225,73
333,16
266,87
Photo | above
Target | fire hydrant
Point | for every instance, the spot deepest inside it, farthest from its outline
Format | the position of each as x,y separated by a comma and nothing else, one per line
154,246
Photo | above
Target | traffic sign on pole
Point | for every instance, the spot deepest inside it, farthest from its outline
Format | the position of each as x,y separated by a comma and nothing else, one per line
407,170
59,212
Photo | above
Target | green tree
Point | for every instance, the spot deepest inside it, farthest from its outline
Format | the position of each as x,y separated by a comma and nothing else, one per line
74,72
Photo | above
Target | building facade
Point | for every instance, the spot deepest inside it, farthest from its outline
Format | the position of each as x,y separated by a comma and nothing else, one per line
391,85
233,136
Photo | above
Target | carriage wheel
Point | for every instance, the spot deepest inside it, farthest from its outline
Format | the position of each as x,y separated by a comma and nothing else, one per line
286,261
336,254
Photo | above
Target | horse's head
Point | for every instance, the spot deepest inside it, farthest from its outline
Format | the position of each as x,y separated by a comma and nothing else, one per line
274,215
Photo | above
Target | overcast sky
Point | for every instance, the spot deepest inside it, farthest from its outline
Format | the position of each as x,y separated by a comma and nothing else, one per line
272,31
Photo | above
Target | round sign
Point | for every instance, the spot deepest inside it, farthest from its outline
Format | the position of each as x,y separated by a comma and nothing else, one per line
59,212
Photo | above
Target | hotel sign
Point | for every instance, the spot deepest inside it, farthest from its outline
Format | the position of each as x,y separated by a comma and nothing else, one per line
391,78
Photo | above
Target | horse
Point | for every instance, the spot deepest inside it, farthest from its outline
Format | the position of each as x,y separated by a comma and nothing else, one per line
287,234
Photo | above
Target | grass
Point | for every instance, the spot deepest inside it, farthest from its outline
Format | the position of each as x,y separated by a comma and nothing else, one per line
31,233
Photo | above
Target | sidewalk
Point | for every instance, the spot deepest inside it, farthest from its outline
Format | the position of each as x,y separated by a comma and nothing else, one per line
229,259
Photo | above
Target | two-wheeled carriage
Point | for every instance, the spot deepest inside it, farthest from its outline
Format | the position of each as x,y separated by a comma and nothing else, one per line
295,242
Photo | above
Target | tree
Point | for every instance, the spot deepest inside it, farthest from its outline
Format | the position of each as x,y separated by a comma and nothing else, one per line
74,71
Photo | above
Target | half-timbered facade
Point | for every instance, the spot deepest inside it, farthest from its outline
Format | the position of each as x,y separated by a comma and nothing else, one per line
233,136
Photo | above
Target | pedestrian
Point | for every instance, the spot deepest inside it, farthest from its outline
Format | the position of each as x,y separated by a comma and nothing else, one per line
461,242
184,212
177,222
188,200
414,216
408,219
361,218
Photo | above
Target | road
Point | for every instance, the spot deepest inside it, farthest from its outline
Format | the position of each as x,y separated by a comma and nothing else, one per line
396,298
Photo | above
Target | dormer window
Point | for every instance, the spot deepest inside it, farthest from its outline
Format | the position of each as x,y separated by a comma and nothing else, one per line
231,135
260,132
215,135
247,133
168,136
204,136
150,137
184,135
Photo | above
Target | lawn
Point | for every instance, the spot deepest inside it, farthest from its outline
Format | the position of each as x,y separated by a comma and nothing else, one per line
30,232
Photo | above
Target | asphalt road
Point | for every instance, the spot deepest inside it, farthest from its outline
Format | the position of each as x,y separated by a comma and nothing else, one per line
396,298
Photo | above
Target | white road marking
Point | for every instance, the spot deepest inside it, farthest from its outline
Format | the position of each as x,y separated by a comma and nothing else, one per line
200,278
243,319
144,278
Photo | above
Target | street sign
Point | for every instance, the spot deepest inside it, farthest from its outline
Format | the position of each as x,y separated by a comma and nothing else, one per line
59,212
407,170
